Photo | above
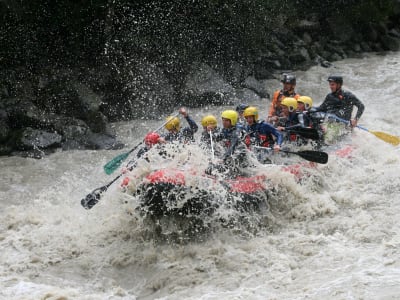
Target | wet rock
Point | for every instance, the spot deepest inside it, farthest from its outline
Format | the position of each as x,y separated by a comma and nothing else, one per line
341,28
243,96
299,55
204,86
141,90
307,38
4,128
371,34
98,123
381,28
235,73
390,43
61,97
264,68
5,149
30,138
23,113
97,141
257,86
394,33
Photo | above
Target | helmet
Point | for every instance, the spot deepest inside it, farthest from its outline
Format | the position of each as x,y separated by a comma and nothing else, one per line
288,78
172,123
290,103
306,100
151,138
241,107
230,115
209,120
336,78
251,111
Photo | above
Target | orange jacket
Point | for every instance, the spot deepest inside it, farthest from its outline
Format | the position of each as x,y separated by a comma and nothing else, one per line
278,96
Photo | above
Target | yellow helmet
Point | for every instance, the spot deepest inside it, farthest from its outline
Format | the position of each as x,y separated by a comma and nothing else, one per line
306,100
173,123
290,103
209,120
230,115
251,111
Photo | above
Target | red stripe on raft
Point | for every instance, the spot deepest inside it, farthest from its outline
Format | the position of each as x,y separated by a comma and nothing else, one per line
345,152
167,176
247,185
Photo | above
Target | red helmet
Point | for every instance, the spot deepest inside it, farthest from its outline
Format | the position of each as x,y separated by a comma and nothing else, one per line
151,138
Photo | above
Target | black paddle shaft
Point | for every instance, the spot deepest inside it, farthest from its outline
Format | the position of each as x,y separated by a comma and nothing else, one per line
91,199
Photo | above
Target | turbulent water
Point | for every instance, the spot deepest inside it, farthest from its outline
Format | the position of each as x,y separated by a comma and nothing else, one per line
335,236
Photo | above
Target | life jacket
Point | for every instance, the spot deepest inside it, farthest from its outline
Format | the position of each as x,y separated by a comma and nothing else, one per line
292,137
256,139
290,121
227,134
265,141
279,95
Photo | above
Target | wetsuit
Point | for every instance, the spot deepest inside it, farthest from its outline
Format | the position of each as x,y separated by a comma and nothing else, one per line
341,104
278,96
261,134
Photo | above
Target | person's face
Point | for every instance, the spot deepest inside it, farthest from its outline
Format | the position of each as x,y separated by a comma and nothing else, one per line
288,86
250,120
284,111
334,86
226,123
301,106
209,127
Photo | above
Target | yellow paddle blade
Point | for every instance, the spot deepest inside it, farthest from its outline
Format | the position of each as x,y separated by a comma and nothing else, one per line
394,140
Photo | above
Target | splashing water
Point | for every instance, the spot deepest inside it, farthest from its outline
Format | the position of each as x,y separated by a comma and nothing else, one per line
335,235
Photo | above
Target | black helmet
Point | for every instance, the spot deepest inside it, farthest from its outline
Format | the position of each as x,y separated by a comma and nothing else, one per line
336,78
288,78
241,107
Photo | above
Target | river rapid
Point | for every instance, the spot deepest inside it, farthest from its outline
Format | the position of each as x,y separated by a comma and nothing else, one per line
335,236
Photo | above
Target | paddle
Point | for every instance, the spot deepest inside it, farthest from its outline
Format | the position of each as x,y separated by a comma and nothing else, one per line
212,146
310,155
91,199
388,138
114,164
308,133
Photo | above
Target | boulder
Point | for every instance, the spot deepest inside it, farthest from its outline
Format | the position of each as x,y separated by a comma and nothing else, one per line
4,128
257,86
141,91
390,43
204,86
30,138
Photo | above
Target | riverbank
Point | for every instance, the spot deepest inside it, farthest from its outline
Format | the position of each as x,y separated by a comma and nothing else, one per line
59,100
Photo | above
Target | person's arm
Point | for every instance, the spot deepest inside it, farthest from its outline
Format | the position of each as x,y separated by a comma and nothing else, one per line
271,110
324,105
192,124
360,106
276,133
274,102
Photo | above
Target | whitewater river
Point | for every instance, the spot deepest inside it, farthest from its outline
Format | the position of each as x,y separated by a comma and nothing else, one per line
336,236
